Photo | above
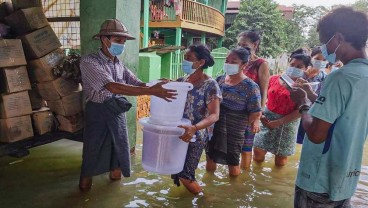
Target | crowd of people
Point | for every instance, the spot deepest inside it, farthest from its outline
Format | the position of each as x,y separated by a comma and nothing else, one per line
253,113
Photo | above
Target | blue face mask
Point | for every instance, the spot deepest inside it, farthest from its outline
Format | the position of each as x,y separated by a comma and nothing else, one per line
231,69
329,57
187,67
317,64
116,49
294,72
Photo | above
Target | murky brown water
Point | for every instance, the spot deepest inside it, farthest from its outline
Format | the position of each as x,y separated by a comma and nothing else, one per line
49,178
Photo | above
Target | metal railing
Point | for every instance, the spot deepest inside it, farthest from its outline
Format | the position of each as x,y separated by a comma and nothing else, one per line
219,55
187,11
202,14
177,61
160,12
216,70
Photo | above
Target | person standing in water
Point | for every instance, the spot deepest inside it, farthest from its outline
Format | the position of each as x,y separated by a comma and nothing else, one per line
105,81
202,108
257,70
281,117
240,111
336,124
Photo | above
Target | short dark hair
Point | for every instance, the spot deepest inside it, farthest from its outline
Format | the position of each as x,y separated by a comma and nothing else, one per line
303,55
316,50
242,52
353,25
202,52
253,35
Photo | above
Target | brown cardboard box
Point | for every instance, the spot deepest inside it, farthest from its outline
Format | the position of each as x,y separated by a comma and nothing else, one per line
11,53
14,79
16,104
60,87
15,129
23,4
47,91
40,42
70,123
41,70
6,8
36,100
27,20
66,87
43,121
67,106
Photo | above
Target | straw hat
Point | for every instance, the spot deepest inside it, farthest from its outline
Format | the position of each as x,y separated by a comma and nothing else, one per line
113,27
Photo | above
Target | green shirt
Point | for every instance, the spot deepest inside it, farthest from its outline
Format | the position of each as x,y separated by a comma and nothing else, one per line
334,166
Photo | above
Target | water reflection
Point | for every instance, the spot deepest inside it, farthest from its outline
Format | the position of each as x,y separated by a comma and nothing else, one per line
49,178
142,180
264,185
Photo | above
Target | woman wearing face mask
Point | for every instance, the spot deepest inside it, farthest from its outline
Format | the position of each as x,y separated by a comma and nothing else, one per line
316,72
202,108
280,119
256,69
240,112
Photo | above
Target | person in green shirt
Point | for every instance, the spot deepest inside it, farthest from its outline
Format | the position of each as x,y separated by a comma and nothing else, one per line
337,123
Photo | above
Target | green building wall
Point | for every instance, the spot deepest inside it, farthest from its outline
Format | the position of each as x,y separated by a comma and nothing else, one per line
92,15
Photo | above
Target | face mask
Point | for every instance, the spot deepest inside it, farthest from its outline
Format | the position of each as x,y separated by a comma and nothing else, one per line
319,64
231,69
116,49
187,67
329,57
294,72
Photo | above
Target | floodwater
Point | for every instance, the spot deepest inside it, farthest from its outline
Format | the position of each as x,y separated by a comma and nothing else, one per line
48,177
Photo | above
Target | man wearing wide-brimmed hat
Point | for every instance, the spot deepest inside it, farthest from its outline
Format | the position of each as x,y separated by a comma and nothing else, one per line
105,80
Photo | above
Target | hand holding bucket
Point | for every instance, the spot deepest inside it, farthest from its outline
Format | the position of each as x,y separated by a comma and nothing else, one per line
168,113
189,134
159,91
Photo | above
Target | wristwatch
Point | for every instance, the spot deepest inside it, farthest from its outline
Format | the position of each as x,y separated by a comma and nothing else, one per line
305,106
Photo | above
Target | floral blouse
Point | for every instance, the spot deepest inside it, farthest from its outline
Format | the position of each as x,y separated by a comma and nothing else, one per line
197,100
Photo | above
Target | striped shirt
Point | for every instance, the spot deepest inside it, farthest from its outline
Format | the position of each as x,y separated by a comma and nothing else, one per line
98,70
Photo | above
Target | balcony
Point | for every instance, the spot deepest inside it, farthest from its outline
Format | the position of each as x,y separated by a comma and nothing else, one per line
188,15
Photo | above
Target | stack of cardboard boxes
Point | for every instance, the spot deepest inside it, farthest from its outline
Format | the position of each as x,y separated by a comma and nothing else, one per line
42,52
15,105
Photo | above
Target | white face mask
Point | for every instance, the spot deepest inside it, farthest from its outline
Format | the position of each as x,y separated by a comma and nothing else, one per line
231,69
294,72
317,64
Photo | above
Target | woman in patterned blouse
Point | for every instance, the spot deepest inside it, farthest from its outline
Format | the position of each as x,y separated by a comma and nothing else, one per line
202,108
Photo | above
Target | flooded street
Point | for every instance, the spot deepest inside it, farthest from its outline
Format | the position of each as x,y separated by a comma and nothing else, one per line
49,178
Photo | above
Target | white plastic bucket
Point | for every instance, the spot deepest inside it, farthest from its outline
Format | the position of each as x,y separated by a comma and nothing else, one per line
163,151
170,113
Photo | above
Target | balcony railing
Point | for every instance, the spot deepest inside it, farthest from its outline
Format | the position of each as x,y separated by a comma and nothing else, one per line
187,14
